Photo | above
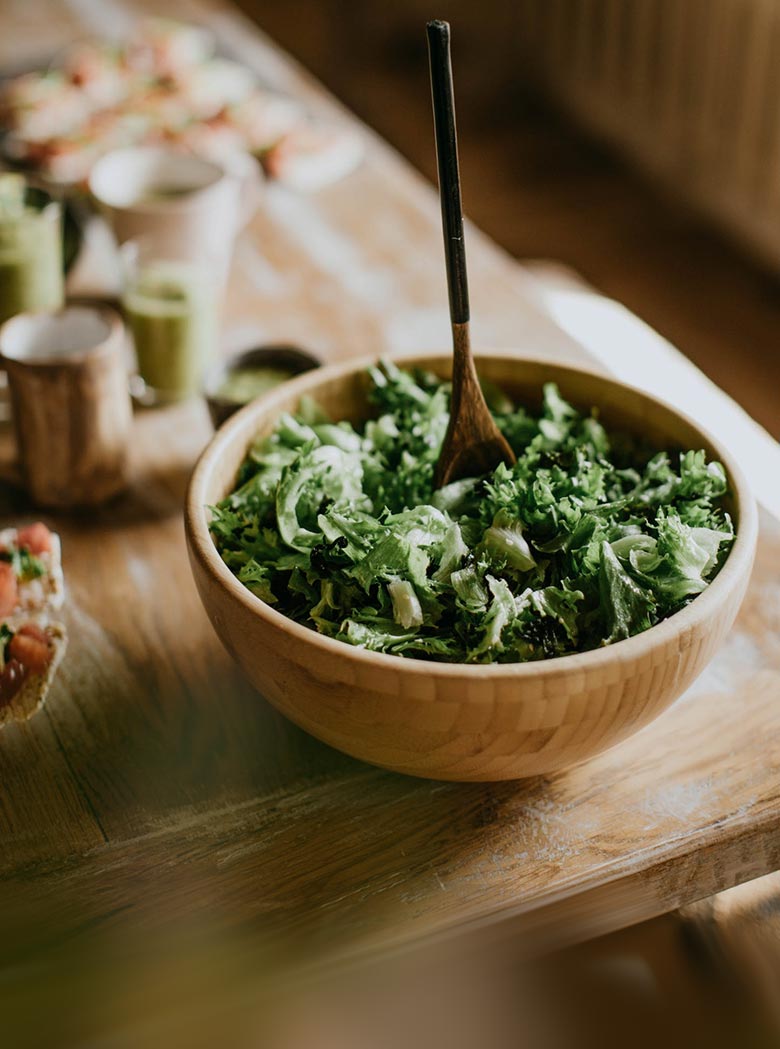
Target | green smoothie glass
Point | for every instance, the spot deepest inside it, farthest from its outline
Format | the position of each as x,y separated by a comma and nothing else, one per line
31,277
171,306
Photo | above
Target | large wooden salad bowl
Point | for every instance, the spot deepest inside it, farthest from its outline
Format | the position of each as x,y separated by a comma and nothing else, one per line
454,721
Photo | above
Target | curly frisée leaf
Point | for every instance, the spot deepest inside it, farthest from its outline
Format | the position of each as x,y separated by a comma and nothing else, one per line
591,537
504,543
317,474
407,610
627,606
501,613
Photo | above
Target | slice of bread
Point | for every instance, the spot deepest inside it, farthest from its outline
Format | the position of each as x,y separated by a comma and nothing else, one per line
47,592
32,695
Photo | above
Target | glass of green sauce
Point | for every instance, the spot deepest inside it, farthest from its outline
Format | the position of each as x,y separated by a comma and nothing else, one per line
232,384
31,276
171,306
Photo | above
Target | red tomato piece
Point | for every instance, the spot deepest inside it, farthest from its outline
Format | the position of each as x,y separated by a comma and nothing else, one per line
36,537
33,630
9,589
30,646
11,681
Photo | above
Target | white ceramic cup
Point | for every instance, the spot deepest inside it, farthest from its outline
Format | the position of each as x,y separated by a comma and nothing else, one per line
211,205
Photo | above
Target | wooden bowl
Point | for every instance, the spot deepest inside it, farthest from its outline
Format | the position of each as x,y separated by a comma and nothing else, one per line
456,721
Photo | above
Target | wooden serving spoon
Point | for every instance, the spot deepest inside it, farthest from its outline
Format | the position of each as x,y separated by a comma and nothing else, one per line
473,444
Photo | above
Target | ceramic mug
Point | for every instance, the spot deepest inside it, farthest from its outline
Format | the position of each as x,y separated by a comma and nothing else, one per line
189,205
67,376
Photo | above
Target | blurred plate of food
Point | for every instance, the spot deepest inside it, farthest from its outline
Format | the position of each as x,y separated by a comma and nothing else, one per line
164,85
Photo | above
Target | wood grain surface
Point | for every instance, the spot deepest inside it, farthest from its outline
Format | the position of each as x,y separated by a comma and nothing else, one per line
159,791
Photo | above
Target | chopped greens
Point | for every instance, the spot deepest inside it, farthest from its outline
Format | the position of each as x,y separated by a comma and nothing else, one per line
590,538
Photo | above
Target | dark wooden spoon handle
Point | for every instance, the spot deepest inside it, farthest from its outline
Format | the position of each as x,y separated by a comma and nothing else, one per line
473,444
449,173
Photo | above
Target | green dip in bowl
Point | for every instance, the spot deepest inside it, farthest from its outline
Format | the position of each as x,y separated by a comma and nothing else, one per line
241,379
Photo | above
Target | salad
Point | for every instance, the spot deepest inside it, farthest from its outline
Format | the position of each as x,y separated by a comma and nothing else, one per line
590,538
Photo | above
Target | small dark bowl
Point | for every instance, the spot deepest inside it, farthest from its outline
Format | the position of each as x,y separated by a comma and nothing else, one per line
280,355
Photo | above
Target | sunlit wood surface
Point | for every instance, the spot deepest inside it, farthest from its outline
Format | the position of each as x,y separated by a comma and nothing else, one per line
158,790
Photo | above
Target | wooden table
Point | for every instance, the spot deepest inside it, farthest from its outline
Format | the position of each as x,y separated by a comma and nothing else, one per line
158,792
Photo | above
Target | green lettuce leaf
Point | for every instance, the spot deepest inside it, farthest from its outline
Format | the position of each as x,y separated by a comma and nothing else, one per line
627,607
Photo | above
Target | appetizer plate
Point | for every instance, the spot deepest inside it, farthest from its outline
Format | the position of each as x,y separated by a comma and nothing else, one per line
162,85
32,644
458,721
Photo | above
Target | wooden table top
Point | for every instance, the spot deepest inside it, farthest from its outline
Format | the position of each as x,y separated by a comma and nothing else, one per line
157,789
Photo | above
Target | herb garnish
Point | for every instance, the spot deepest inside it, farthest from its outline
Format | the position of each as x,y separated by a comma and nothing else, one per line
25,564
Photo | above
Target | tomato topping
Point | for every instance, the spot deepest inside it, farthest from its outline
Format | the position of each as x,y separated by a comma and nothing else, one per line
31,647
33,630
11,680
9,589
35,537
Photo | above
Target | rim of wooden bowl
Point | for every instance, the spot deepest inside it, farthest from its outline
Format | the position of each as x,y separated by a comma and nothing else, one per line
203,548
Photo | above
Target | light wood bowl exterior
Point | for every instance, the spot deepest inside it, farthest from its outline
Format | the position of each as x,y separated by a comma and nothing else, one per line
455,721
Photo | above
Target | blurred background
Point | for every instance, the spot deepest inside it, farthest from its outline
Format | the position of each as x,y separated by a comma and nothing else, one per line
636,141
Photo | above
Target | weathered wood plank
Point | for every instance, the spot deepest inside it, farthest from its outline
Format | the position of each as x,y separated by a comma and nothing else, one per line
685,808
43,809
